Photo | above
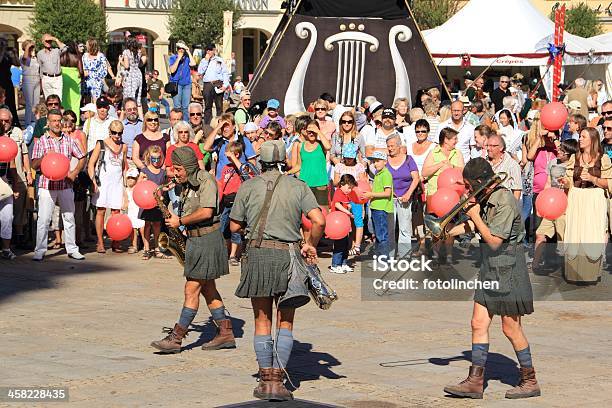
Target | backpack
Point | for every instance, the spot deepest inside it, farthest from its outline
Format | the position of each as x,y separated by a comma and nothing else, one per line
236,109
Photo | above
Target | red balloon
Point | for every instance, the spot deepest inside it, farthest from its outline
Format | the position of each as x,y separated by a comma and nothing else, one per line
306,222
452,178
337,225
55,166
443,200
551,203
143,194
119,227
362,187
8,149
553,115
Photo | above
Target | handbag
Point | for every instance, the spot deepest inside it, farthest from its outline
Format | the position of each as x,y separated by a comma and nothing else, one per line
5,190
170,88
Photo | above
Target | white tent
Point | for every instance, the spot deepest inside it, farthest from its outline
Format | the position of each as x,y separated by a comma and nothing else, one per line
507,33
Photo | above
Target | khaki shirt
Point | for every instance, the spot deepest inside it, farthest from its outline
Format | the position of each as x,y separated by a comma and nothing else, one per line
503,217
511,167
290,200
50,61
204,196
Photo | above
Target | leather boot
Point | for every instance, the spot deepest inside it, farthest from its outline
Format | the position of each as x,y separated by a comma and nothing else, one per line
277,390
471,387
527,386
172,342
224,339
262,391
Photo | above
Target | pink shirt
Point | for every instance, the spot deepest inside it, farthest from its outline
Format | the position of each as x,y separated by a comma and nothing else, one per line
540,164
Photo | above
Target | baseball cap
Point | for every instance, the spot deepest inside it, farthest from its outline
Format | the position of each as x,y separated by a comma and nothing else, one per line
132,172
378,155
389,113
250,127
102,102
575,105
349,151
273,104
90,107
272,151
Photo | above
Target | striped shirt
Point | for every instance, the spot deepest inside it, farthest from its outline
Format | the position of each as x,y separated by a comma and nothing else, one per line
65,145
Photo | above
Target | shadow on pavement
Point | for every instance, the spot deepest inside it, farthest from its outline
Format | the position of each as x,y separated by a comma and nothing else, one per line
498,367
308,365
24,275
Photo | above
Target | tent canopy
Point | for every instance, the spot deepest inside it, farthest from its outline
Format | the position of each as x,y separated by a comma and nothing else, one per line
513,32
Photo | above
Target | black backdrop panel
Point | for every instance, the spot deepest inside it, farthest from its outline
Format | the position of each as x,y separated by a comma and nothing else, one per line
322,72
390,9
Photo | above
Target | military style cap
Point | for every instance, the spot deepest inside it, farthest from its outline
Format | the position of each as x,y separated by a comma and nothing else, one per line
272,151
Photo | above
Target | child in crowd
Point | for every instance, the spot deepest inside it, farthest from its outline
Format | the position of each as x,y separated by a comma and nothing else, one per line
349,165
556,171
229,183
131,177
341,202
381,204
154,160
272,115
238,85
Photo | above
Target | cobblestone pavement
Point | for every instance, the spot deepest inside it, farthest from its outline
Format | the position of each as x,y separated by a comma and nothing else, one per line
87,326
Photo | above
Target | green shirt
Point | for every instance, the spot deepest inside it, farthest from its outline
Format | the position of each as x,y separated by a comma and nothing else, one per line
241,116
203,196
290,200
382,180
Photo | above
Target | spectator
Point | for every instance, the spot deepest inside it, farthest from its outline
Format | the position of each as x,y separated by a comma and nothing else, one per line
579,94
431,116
155,92
465,131
8,58
151,136
442,157
95,69
409,136
184,137
341,202
502,162
498,95
401,107
131,177
72,72
242,115
272,115
577,123
175,116
105,168
327,126
9,174
132,127
50,192
606,143
153,160
229,183
216,80
30,79
180,73
50,69
479,146
347,134
238,85
377,140
96,128
132,77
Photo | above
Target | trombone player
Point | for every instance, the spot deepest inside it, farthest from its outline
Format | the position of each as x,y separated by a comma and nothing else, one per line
205,252
496,217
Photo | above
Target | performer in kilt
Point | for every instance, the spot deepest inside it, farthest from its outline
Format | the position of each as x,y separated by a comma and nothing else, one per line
273,250
205,254
503,260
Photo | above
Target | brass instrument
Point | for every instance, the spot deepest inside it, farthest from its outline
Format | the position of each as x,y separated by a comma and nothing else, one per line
174,241
246,170
437,226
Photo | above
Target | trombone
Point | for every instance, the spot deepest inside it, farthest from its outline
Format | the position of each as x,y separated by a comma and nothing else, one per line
437,227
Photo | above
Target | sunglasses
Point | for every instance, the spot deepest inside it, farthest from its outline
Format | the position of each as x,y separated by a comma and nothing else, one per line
607,128
504,82
347,122
311,133
606,113
195,114
113,132
420,131
183,132
53,104
320,109
267,132
153,120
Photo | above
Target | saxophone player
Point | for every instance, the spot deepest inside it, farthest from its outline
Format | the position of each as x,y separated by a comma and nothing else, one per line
269,207
205,253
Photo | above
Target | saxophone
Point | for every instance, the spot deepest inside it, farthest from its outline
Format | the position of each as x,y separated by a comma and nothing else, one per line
174,241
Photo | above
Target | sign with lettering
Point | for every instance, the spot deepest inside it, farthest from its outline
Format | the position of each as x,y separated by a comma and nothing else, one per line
160,5
252,5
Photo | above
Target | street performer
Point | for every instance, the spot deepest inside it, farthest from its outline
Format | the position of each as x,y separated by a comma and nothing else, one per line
272,250
205,253
503,260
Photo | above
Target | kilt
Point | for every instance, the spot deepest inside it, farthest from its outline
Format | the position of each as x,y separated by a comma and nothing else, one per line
264,272
206,257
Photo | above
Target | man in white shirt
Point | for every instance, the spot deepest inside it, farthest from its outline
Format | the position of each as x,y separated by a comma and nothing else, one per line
336,109
96,128
466,131
377,140
502,162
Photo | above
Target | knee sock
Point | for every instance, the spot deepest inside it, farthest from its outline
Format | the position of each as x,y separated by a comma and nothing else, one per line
524,357
479,354
284,344
218,314
263,350
187,316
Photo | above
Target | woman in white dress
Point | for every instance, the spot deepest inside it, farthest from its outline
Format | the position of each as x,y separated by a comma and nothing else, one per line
105,168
